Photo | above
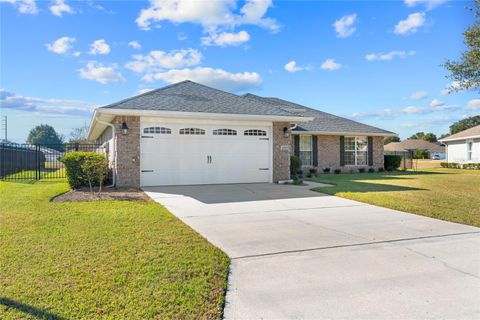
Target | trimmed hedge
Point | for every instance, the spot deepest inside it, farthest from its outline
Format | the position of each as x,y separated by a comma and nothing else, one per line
295,165
76,178
392,162
455,165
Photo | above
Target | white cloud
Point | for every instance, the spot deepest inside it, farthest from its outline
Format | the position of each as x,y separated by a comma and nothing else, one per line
135,45
24,6
209,14
330,65
388,56
436,103
411,24
292,67
182,36
473,104
344,27
98,72
449,88
429,4
99,47
383,114
157,60
226,39
60,7
411,109
418,95
144,90
61,45
216,78
392,113
76,54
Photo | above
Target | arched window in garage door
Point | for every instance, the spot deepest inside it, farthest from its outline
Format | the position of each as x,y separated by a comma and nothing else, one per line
159,130
224,132
192,131
255,132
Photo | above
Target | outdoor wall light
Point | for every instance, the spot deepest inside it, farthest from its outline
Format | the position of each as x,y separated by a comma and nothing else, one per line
286,132
124,128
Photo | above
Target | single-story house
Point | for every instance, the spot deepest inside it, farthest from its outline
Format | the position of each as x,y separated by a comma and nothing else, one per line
410,145
464,146
188,133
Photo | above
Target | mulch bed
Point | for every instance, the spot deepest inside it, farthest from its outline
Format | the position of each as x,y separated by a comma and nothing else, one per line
84,195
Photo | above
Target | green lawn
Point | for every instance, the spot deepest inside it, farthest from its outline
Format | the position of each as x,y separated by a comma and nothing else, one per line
447,194
102,260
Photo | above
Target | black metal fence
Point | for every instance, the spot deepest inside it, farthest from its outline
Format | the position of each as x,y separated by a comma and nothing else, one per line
407,158
37,161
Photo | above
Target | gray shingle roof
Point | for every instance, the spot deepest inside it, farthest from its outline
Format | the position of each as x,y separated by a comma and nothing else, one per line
414,144
188,96
472,132
323,122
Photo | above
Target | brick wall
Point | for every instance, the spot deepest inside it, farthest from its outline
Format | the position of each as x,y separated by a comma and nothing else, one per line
328,152
281,152
128,152
377,152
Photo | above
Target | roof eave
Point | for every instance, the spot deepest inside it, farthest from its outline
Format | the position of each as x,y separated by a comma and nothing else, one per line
328,133
459,138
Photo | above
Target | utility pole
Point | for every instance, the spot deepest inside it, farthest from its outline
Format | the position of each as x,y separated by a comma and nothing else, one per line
5,127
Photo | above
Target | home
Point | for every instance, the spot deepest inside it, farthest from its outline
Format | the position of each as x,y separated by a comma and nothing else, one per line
464,146
411,145
188,133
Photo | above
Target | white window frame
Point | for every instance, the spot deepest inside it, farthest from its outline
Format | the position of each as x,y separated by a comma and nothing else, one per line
306,147
469,152
355,151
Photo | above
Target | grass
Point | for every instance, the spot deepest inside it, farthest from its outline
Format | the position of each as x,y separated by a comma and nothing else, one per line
102,260
446,194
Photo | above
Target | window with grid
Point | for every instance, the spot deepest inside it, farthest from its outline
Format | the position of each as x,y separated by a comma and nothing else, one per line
356,151
192,131
255,132
159,130
224,132
305,151
469,150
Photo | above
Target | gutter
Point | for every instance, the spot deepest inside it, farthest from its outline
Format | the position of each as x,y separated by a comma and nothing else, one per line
325,133
114,142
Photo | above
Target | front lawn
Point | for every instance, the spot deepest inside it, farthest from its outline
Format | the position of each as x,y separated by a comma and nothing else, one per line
447,194
104,259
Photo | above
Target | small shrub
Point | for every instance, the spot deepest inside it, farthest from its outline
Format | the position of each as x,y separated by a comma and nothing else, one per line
380,169
392,162
95,168
309,175
312,170
73,161
371,170
337,171
298,182
361,170
326,170
295,165
444,164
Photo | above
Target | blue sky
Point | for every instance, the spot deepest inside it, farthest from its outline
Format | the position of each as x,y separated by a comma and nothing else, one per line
377,62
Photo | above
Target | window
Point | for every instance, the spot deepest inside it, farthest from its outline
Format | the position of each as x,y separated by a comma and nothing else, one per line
255,132
160,130
224,132
305,151
192,131
356,151
469,150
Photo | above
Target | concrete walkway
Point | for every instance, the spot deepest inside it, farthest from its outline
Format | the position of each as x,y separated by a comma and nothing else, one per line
298,254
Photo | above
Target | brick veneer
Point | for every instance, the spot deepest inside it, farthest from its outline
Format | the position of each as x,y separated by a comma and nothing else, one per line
377,152
281,152
128,152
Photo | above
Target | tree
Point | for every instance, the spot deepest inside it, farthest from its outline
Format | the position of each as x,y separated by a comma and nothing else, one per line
466,72
418,135
464,124
387,140
45,134
95,168
79,134
430,137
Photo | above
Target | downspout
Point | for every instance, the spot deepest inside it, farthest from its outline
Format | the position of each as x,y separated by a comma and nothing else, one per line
114,143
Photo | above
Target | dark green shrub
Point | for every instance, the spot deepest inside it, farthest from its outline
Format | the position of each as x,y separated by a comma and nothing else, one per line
337,171
298,181
371,170
295,165
392,162
73,161
312,170
361,170
326,170
96,169
380,169
444,164
309,175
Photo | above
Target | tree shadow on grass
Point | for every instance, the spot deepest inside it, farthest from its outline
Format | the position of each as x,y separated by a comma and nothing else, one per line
361,186
37,313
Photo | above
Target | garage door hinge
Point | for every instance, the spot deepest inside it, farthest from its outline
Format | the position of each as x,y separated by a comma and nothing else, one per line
263,168
147,136
263,138
147,170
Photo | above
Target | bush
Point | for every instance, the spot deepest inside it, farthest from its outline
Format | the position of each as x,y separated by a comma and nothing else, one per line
444,164
298,181
295,165
95,168
76,177
312,170
371,170
392,162
337,171
309,175
326,170
380,169
361,170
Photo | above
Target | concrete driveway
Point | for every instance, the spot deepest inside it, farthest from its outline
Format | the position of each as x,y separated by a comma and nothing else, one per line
298,254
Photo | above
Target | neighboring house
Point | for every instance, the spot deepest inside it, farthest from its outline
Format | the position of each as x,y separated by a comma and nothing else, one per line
188,133
410,145
464,146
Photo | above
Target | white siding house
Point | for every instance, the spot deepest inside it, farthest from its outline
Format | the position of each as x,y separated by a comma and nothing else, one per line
464,146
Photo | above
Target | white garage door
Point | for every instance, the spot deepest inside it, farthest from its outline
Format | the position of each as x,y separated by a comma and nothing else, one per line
179,154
